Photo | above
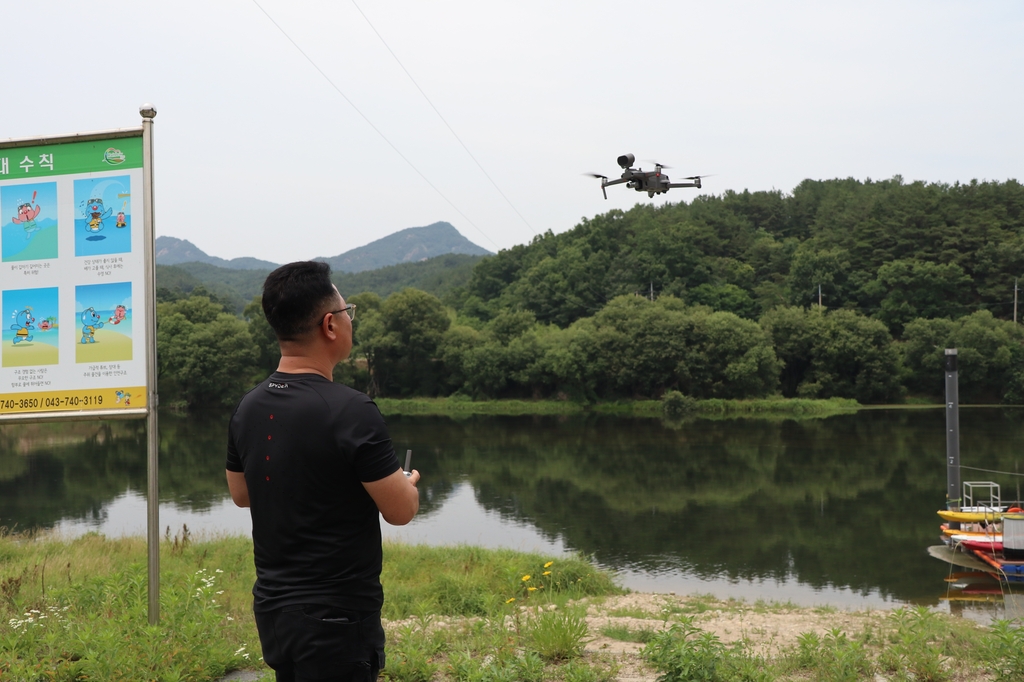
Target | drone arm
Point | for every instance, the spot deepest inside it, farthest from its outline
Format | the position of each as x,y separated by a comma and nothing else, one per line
684,184
605,182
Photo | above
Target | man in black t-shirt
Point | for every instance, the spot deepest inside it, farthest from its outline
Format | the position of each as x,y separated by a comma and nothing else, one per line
314,463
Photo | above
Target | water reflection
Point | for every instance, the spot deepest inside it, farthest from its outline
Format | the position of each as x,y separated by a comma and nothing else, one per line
835,510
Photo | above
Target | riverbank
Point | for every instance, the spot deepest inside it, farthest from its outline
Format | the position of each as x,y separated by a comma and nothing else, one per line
455,406
76,610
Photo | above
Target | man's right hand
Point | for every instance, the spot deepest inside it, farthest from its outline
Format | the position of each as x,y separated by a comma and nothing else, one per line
396,496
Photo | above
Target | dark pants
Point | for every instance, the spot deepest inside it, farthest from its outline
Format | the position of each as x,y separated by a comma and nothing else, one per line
322,643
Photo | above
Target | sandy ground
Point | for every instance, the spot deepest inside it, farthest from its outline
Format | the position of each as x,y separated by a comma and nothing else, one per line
767,633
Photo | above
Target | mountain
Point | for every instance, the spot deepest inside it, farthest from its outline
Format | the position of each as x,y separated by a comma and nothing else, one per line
410,245
406,246
172,251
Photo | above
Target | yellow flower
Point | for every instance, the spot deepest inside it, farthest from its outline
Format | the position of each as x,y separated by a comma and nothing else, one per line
525,578
546,573
548,564
531,589
509,601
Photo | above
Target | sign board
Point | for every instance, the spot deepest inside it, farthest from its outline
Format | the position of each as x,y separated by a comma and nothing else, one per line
73,277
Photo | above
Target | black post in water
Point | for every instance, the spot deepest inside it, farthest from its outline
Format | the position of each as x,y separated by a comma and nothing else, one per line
952,435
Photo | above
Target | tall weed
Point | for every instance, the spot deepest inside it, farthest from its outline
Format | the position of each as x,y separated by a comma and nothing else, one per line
685,653
556,635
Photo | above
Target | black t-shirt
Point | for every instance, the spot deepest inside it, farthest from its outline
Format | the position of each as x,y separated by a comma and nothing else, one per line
306,444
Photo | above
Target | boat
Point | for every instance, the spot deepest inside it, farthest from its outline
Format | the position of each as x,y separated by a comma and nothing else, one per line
990,546
973,516
978,545
957,535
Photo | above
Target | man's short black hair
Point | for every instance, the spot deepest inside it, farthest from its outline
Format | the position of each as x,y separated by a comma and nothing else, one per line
294,296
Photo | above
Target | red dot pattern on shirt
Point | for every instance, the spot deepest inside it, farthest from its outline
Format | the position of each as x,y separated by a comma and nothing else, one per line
269,437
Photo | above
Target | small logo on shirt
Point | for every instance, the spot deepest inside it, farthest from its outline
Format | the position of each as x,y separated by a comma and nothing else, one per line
272,384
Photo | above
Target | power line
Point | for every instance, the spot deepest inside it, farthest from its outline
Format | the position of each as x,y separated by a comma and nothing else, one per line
993,471
443,120
370,123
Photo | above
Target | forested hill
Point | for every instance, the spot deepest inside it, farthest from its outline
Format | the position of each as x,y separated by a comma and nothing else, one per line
888,249
715,299
235,288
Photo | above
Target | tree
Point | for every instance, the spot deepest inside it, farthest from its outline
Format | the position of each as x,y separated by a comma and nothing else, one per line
813,267
725,297
852,356
636,347
268,352
401,343
793,331
910,289
986,350
205,356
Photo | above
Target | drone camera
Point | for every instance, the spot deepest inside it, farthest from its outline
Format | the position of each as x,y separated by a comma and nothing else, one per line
626,160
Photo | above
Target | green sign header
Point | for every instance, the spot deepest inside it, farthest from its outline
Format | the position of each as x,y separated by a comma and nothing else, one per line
93,156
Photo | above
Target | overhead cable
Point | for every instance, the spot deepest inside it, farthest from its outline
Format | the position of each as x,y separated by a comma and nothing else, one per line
993,471
370,123
444,120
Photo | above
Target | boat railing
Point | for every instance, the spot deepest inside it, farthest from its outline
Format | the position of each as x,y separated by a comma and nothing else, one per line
982,496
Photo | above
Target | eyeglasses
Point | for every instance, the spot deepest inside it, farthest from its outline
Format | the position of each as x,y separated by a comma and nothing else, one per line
349,310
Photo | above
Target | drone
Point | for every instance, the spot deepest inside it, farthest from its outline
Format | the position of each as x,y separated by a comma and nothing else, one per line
653,182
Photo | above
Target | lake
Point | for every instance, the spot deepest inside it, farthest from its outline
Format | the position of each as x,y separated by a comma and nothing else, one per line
836,510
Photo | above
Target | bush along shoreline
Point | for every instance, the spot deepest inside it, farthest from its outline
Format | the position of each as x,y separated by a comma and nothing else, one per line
673,406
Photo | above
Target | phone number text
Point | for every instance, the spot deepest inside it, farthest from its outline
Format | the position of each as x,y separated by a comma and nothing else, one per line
51,402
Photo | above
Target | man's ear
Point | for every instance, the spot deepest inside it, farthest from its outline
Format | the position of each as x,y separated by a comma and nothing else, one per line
329,328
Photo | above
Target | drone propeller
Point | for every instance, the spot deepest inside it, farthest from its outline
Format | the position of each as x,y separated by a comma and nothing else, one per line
604,180
699,177
659,165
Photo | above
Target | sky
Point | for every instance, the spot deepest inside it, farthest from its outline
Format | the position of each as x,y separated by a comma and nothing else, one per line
258,154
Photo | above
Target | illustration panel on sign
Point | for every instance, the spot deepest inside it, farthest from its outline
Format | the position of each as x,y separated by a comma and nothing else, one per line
30,327
104,313
29,217
103,216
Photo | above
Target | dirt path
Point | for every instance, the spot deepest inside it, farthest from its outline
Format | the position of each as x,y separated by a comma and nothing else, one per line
765,632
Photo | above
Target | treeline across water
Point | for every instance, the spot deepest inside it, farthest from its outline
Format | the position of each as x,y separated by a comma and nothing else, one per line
717,299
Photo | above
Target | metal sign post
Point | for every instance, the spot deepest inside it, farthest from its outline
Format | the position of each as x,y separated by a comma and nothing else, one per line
148,112
78,287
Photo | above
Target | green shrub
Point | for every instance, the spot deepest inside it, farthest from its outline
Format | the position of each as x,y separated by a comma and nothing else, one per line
685,653
834,658
1006,650
675,405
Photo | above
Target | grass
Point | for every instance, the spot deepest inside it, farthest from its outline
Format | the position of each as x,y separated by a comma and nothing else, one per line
76,609
458,406
463,406
623,633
